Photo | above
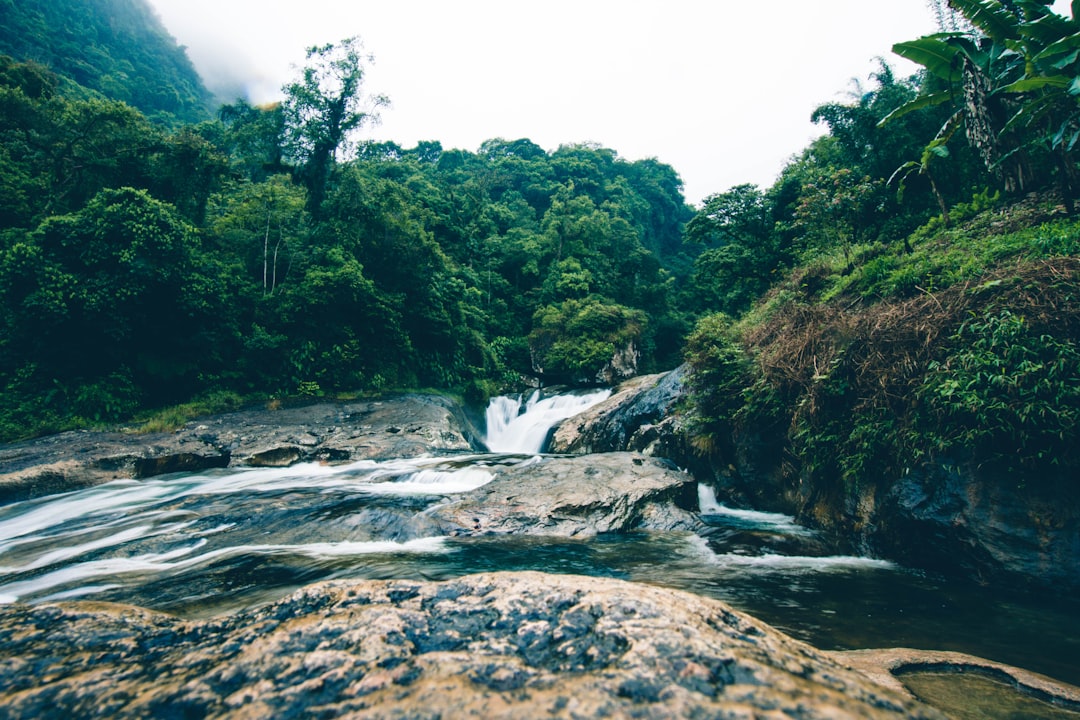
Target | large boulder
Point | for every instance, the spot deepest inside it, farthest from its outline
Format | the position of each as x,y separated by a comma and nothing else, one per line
400,427
637,416
960,517
502,645
575,497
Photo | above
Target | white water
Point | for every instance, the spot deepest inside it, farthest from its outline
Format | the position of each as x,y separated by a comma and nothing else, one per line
184,539
183,559
515,425
773,522
172,524
786,564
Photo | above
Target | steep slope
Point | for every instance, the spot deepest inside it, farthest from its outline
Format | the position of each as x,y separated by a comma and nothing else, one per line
117,48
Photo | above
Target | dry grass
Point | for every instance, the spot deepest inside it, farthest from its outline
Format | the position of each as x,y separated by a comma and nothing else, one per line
882,350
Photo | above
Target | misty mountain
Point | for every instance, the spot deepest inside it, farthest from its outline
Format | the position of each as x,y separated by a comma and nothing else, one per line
115,48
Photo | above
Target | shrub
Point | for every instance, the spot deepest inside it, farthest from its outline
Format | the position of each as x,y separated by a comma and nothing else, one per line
721,375
1009,391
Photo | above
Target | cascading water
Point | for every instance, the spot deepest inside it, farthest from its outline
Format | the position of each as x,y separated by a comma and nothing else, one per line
200,544
127,534
518,425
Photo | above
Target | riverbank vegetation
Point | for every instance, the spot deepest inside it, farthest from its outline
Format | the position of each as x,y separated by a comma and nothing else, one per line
268,253
907,286
952,337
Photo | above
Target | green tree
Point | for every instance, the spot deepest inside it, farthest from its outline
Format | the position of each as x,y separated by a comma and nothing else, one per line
266,226
1012,75
576,339
118,290
254,137
834,209
322,111
108,49
187,168
741,249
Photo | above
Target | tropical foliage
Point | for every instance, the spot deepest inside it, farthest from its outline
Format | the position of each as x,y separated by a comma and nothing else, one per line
1013,78
115,49
906,292
272,251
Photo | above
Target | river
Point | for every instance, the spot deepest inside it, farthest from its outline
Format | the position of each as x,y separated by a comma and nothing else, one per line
200,544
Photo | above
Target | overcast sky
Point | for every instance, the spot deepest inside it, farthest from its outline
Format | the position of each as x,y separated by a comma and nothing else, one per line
721,91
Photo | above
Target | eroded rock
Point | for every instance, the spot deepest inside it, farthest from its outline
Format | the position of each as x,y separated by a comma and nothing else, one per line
510,645
576,497
888,666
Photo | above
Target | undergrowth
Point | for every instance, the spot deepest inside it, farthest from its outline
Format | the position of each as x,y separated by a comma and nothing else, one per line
176,416
966,346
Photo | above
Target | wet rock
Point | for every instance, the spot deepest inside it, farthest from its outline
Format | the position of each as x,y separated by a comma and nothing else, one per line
401,427
887,667
576,496
638,416
511,645
993,529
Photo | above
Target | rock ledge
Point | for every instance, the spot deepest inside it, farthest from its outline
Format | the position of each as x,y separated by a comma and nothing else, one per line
499,645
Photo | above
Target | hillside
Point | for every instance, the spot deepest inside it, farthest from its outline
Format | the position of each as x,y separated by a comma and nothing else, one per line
923,403
116,48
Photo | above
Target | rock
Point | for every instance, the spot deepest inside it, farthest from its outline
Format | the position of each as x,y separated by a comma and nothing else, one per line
576,497
622,365
949,516
510,645
401,427
960,517
625,421
887,666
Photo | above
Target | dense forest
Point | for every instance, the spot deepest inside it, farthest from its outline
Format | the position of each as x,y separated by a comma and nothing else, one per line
152,255
114,49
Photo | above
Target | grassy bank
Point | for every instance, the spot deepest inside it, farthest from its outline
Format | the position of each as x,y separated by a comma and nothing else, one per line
961,340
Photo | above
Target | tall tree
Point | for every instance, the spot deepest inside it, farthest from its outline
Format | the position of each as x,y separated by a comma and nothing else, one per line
1013,78
323,109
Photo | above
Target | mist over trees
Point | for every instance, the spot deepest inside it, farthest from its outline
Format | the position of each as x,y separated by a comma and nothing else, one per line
116,49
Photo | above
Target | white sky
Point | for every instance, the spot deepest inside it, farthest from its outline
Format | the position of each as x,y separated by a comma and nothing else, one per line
721,91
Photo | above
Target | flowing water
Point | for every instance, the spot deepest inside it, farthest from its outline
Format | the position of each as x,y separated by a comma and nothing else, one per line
521,426
200,544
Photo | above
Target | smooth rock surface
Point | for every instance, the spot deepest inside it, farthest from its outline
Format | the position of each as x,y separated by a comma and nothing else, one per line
888,666
400,427
501,645
576,497
628,420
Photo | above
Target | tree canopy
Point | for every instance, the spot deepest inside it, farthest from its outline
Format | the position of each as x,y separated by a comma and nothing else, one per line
114,49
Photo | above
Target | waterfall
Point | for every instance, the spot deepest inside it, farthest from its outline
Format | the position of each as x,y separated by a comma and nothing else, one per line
519,425
750,519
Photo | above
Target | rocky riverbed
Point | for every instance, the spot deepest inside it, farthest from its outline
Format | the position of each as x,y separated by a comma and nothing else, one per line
510,644
945,515
407,426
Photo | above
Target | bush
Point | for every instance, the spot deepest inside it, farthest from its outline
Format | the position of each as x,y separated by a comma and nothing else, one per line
1009,391
577,338
721,376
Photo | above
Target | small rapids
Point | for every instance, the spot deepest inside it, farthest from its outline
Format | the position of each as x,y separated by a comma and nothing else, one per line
123,535
202,544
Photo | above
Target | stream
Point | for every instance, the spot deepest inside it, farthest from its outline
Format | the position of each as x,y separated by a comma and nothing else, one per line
201,544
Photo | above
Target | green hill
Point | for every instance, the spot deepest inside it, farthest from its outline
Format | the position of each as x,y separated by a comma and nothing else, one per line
116,48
